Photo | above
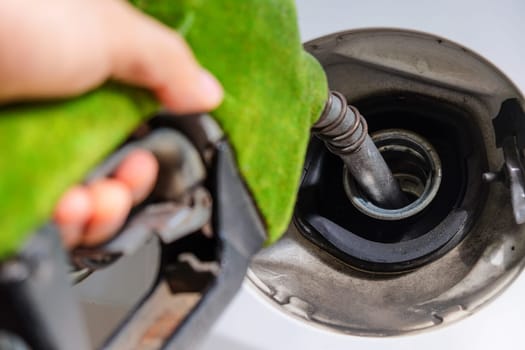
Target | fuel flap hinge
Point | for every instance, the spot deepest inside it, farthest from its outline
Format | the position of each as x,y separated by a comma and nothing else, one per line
509,129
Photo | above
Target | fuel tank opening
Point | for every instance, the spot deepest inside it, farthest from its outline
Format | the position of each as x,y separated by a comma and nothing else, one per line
432,151
415,165
338,268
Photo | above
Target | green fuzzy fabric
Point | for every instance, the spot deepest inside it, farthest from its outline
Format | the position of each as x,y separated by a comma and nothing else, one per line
47,147
274,91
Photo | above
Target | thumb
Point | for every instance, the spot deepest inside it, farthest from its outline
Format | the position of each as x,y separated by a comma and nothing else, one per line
146,53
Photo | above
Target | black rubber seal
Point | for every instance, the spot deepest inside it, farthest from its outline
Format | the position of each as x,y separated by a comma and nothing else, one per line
324,215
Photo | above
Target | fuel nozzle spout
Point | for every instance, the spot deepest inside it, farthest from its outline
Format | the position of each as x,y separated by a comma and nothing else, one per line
345,133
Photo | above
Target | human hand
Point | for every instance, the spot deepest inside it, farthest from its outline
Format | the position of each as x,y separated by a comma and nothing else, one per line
61,48
90,214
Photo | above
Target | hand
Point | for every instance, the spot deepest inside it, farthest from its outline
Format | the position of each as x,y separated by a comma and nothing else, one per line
60,48
89,215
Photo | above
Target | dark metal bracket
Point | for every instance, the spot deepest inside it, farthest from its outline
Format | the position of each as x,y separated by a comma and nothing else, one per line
509,128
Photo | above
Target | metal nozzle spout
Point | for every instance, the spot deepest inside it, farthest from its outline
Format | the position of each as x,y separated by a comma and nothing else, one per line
345,133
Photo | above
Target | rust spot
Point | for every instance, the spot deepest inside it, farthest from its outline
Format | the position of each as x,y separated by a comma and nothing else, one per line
161,329
167,321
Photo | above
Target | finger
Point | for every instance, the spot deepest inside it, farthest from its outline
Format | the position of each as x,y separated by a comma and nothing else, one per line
146,53
80,44
72,213
138,171
112,202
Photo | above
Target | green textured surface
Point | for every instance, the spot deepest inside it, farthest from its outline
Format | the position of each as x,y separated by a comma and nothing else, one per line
274,91
46,147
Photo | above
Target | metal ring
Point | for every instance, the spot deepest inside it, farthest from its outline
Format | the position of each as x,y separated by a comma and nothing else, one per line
411,142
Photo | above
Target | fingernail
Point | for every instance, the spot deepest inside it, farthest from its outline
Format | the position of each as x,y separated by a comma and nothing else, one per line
211,88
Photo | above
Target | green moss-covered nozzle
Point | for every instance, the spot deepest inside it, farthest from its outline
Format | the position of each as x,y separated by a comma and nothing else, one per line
274,91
